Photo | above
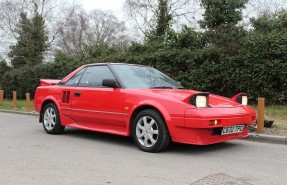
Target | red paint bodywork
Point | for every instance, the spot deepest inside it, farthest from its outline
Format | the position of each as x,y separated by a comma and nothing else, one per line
111,110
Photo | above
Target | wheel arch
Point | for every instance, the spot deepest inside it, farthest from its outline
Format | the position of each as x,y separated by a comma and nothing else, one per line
46,102
162,112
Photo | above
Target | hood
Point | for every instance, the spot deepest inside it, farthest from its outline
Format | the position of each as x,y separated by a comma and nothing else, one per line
185,94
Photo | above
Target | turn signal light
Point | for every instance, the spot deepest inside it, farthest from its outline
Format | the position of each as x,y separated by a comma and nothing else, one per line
213,122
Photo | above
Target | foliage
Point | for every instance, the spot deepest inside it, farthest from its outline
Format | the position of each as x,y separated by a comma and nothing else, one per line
31,42
223,59
20,53
220,22
4,68
262,59
221,12
270,22
163,18
22,80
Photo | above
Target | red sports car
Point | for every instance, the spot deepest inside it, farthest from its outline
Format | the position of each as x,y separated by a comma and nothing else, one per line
142,102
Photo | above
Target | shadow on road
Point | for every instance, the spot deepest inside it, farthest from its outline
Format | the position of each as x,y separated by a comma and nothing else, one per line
128,142
202,149
99,137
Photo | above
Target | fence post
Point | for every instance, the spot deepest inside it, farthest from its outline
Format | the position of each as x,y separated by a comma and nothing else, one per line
1,96
260,115
14,99
28,102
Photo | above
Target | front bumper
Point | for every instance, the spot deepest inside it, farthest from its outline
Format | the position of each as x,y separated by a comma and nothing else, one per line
198,130
205,136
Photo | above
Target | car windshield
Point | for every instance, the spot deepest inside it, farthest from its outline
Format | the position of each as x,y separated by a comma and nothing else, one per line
134,76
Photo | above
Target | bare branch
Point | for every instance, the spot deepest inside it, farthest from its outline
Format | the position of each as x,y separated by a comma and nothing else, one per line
144,12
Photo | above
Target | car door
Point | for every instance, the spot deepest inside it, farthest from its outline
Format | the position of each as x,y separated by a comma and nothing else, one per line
66,91
94,105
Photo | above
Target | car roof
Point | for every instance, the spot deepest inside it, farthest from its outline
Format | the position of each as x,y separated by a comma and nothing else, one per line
96,64
113,63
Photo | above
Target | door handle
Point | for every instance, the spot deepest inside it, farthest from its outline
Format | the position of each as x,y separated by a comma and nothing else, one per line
77,93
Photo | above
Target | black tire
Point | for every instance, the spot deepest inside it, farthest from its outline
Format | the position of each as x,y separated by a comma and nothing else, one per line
145,136
51,119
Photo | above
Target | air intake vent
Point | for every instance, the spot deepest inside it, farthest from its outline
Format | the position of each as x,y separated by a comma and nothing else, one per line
66,97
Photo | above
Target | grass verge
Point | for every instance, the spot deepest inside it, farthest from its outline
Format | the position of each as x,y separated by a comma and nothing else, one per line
277,113
20,105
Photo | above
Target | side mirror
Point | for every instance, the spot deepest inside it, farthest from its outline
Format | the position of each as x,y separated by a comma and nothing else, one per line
110,83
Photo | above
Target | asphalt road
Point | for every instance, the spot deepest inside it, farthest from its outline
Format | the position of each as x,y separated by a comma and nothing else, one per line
30,156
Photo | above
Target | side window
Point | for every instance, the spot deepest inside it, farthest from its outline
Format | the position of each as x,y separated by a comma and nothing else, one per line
75,79
94,75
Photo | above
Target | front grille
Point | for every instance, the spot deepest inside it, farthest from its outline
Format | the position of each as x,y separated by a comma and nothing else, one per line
216,131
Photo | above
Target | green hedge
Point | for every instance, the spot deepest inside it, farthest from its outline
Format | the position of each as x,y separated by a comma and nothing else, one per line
258,67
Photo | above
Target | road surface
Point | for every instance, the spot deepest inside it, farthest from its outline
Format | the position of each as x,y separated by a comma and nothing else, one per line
30,156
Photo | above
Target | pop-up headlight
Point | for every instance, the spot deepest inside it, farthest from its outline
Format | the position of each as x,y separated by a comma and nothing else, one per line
199,100
240,98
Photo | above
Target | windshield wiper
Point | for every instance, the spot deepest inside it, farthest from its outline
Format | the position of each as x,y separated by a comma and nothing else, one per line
162,87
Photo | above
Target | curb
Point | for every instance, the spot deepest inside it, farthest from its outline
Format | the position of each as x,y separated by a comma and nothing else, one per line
267,138
20,112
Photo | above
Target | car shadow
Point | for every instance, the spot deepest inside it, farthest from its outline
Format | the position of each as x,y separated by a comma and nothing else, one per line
98,136
128,142
201,149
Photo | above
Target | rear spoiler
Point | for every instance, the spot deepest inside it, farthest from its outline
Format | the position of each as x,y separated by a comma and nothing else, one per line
48,82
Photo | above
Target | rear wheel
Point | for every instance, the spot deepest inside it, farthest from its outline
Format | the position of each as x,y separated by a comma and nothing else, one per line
149,131
51,119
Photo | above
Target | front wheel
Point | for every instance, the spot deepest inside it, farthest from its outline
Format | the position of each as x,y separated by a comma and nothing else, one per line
51,119
149,131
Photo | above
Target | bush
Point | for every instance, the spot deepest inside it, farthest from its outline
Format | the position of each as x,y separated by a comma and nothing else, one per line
258,67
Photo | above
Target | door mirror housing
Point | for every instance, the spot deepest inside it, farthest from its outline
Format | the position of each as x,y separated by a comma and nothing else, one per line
110,83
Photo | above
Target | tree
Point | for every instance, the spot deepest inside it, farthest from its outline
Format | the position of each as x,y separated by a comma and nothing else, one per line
153,15
162,23
220,20
31,42
54,12
163,18
261,65
4,68
19,53
221,12
38,38
255,8
83,29
269,22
